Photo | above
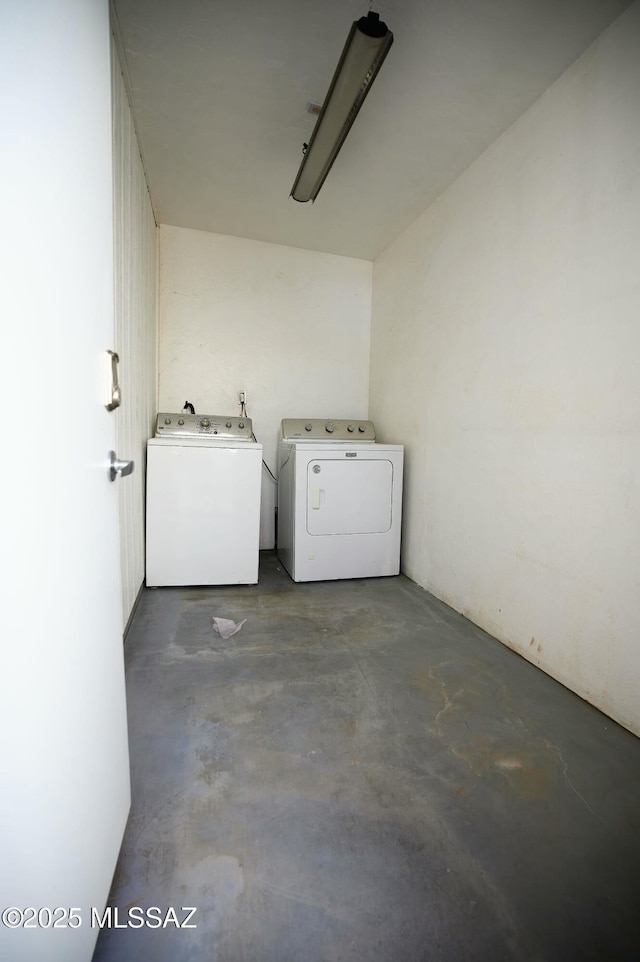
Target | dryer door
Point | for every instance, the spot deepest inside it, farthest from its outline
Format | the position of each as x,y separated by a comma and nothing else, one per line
349,496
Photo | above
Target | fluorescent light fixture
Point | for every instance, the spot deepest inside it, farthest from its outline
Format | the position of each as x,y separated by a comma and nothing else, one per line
366,47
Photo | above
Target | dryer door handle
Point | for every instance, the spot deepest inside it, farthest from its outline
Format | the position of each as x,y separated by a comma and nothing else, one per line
315,498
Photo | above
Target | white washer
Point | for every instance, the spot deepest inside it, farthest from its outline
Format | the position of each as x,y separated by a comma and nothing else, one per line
203,501
339,500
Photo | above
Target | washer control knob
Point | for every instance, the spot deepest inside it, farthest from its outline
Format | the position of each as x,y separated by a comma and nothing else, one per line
167,420
330,427
241,424
181,421
362,429
228,424
308,427
205,423
350,428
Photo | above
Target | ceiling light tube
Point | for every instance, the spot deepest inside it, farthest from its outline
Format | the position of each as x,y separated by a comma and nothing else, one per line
366,47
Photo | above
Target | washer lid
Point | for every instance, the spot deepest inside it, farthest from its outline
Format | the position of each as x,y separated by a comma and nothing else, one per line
338,429
204,425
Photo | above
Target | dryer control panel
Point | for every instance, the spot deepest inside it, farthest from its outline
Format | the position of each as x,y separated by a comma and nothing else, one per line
340,429
208,425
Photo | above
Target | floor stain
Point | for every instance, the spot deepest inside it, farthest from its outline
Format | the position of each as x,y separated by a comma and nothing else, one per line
479,726
349,727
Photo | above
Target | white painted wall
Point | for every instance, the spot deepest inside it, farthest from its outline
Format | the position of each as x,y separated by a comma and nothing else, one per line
135,337
288,326
506,356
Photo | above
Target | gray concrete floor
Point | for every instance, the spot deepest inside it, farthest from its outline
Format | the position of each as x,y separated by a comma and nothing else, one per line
361,774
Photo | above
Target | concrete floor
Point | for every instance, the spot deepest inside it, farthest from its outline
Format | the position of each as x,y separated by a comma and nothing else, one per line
361,774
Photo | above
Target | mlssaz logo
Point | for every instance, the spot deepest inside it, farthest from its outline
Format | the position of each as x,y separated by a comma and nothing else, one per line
136,917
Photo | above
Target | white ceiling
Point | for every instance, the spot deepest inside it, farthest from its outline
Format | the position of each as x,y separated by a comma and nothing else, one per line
219,93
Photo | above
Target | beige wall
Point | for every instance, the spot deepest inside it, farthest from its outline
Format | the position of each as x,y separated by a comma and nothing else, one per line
288,326
505,355
135,288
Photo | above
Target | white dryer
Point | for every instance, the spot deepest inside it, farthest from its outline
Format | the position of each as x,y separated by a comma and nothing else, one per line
339,500
203,501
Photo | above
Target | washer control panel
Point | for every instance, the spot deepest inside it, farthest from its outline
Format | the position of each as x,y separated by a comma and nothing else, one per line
208,425
339,429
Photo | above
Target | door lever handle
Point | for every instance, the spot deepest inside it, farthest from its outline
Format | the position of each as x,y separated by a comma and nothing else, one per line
117,468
